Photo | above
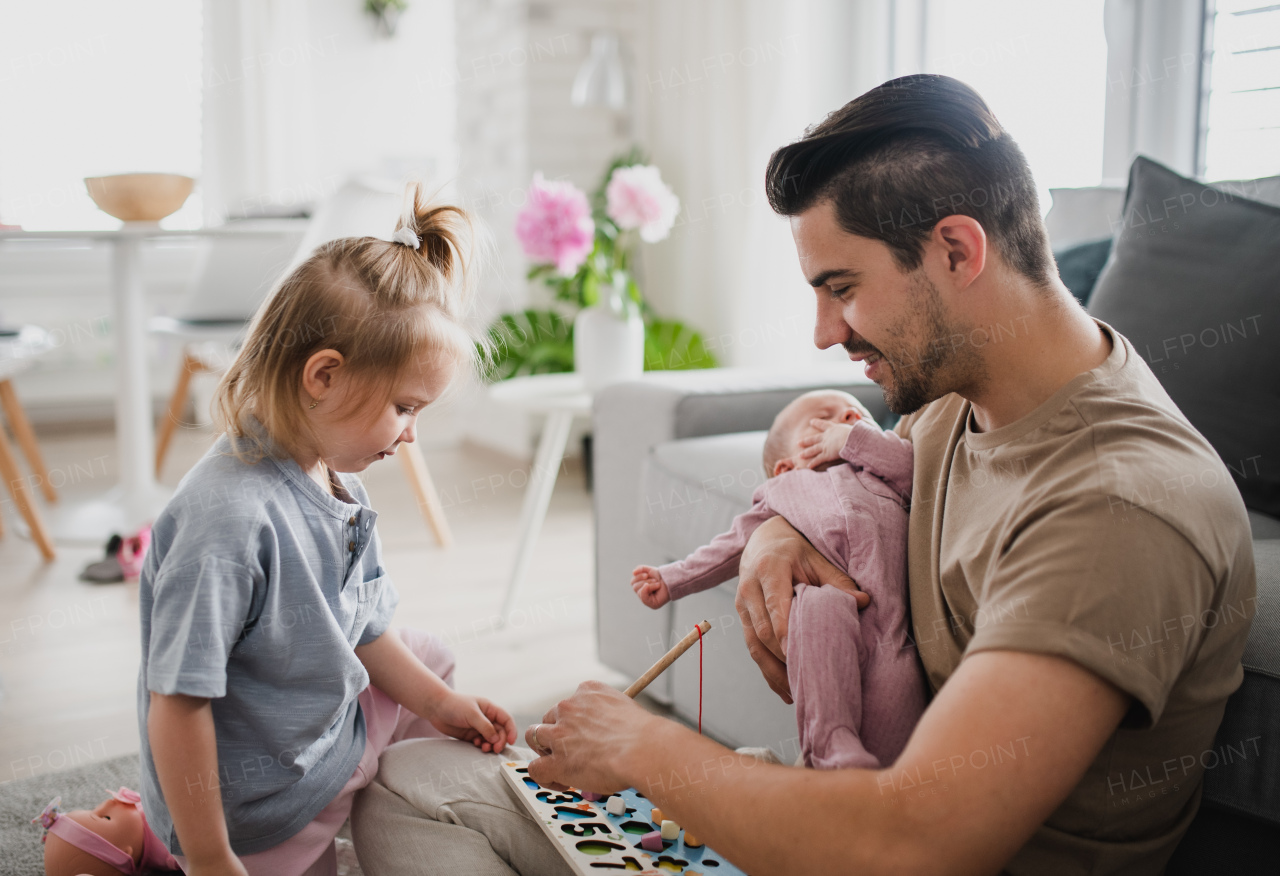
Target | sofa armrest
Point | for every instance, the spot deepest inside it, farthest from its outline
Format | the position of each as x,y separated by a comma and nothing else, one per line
628,420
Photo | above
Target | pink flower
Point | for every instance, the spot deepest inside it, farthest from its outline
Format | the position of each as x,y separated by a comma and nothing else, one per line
555,224
638,198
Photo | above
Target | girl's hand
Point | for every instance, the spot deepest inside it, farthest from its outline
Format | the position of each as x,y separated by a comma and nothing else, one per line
824,443
475,720
647,583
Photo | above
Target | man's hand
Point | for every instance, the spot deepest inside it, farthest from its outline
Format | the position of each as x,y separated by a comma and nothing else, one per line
591,737
473,719
775,560
647,583
823,442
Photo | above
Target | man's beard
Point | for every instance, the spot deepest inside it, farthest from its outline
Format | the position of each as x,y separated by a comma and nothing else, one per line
929,368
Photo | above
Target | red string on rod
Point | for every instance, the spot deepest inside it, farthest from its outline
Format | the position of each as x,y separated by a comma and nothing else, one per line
699,629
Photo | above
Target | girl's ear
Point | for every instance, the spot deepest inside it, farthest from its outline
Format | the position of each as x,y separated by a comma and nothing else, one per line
782,465
319,371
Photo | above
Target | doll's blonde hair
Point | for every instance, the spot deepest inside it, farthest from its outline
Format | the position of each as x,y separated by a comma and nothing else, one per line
382,305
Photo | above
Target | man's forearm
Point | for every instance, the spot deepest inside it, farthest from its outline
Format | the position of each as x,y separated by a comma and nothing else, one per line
745,809
185,750
997,751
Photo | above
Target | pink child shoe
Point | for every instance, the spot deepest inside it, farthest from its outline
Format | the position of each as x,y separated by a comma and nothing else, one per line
132,552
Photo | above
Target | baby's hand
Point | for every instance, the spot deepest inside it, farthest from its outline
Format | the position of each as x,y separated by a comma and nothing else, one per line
647,582
475,720
824,443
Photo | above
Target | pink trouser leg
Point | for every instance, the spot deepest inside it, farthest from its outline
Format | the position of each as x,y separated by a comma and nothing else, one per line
311,851
824,668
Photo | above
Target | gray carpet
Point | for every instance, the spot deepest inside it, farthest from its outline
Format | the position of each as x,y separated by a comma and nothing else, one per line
84,788
23,799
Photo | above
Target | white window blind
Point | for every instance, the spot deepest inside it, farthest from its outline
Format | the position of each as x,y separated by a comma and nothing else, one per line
1241,133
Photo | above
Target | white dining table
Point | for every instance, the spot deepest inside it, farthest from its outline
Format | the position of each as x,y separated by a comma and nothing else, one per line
137,497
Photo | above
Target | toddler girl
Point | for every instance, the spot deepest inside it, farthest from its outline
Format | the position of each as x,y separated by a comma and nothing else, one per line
271,678
843,484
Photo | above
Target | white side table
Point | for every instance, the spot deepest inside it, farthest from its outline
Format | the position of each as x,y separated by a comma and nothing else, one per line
561,397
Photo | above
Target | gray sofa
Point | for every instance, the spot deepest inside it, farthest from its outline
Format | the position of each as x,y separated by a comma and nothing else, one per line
677,457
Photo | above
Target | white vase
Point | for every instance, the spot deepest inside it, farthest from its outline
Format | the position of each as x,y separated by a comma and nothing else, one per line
608,344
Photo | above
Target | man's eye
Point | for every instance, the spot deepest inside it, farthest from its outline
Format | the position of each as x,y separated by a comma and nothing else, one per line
839,293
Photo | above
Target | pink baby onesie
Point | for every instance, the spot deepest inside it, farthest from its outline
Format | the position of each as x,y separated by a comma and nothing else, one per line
855,676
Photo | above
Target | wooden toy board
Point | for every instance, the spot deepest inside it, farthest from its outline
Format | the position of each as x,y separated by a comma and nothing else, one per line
595,842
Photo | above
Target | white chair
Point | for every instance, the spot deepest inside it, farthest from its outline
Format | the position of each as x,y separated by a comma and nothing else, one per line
235,275
17,351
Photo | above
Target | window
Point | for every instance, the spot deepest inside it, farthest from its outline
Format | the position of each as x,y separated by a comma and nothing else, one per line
1041,67
90,88
1241,107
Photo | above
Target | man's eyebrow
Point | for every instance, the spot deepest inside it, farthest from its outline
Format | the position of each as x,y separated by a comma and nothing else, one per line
823,278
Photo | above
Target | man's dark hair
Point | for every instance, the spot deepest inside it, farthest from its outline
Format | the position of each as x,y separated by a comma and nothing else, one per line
907,154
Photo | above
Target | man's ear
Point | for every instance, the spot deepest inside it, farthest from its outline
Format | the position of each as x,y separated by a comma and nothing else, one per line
964,243
782,465
319,371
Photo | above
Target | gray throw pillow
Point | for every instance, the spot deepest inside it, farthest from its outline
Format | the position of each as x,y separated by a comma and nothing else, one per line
1194,283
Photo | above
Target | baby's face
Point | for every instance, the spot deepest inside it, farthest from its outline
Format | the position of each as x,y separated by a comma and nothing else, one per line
794,421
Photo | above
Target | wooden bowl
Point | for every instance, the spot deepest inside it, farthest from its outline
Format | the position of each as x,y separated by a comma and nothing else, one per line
139,197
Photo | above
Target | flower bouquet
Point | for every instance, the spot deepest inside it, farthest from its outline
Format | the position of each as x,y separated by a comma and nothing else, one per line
583,250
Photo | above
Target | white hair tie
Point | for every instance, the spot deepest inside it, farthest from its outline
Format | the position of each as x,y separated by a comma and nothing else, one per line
404,235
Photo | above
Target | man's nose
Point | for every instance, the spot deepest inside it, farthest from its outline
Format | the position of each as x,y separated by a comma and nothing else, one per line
830,328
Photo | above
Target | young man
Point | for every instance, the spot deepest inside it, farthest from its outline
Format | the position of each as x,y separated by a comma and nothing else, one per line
1080,606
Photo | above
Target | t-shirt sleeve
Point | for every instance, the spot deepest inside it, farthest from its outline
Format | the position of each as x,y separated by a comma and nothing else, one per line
384,597
198,612
1112,588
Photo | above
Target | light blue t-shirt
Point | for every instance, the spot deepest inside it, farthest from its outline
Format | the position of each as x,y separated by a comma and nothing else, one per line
257,587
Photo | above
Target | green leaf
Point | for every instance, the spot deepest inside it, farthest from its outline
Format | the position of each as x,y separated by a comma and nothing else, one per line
529,342
670,345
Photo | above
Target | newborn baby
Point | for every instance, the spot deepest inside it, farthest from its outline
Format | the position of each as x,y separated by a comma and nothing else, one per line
844,484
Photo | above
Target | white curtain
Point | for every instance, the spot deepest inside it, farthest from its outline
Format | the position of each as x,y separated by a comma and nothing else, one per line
258,113
721,84
1154,63
300,95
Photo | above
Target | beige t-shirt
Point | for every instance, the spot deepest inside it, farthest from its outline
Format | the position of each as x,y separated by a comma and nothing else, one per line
1102,528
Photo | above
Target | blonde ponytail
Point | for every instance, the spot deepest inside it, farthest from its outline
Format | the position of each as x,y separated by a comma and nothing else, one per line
384,305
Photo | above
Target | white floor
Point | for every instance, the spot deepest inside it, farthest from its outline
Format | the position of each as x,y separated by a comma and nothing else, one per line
69,650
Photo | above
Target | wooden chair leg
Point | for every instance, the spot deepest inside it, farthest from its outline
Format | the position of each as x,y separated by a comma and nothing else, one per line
18,488
22,430
428,500
177,402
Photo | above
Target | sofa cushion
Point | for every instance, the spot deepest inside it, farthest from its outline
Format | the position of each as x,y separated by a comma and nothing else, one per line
1079,266
1079,215
1193,282
690,490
